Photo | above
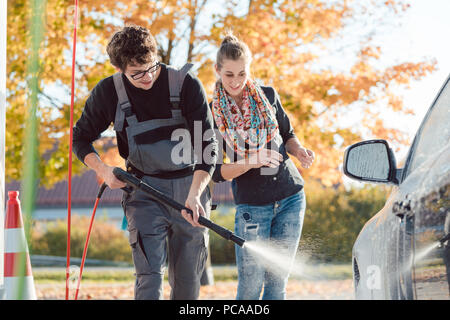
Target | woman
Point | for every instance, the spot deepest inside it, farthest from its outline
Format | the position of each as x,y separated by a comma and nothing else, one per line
267,187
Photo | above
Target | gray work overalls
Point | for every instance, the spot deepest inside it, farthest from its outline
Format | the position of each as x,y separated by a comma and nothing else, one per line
155,229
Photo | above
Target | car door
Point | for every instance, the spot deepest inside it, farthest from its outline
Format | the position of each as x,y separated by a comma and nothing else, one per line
423,207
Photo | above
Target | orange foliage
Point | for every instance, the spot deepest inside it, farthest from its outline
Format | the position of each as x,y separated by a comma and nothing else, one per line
281,35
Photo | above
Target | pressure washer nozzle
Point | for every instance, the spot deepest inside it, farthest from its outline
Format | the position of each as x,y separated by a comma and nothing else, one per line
444,239
238,240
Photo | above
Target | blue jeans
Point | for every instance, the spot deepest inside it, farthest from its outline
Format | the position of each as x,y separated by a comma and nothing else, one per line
278,222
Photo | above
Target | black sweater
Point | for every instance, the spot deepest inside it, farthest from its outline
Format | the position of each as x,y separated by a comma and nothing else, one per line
255,188
100,110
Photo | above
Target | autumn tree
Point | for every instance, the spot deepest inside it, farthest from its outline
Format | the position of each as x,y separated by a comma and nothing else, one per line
289,40
171,22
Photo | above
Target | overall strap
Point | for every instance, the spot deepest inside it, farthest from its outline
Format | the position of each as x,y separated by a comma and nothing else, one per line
176,79
123,105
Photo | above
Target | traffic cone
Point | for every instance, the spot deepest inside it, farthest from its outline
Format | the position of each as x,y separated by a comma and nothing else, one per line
15,249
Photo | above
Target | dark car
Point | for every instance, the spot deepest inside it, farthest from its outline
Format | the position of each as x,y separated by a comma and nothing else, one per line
403,252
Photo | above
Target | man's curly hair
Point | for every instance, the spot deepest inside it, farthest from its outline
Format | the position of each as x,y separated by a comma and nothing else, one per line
131,45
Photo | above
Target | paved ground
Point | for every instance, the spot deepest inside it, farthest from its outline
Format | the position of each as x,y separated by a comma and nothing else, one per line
222,290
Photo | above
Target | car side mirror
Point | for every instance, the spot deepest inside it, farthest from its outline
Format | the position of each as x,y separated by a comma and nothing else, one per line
372,161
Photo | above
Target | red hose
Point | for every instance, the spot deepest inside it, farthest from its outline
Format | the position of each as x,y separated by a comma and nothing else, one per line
86,244
69,193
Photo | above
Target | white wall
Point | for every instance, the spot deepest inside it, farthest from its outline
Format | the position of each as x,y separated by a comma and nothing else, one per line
3,6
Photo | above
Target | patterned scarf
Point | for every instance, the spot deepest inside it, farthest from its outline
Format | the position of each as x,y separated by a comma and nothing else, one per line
247,131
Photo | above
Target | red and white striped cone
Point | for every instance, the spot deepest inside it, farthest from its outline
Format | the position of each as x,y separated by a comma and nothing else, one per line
16,248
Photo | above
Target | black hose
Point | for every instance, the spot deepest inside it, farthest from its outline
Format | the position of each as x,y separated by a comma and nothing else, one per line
101,190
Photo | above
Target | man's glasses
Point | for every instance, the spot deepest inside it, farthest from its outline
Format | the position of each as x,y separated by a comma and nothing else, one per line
141,74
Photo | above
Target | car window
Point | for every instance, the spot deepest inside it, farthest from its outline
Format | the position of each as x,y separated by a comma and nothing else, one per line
434,133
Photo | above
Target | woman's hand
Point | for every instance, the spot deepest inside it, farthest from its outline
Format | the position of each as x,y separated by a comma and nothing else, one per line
305,156
264,157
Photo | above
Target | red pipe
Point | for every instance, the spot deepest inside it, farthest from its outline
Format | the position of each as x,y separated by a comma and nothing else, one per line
86,247
69,193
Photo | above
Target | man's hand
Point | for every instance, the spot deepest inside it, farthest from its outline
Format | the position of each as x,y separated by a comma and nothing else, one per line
199,183
104,171
193,203
305,156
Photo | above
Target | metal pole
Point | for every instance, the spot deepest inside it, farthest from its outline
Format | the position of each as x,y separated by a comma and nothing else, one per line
3,15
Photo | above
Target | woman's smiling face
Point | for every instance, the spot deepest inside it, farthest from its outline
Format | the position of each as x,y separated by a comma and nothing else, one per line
234,75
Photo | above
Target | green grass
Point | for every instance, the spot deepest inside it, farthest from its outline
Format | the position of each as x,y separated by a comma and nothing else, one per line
329,271
221,273
225,273
104,275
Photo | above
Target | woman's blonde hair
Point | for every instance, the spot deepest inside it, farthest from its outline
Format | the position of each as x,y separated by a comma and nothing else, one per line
233,49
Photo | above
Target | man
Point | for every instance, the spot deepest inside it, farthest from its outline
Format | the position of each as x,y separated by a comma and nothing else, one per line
147,101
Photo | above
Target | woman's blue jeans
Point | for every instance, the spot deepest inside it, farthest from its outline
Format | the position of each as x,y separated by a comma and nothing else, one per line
279,222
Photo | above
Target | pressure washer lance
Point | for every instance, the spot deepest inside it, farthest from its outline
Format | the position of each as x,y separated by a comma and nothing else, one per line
139,184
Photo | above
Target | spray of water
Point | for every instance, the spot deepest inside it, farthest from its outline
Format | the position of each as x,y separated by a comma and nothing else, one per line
274,258
420,255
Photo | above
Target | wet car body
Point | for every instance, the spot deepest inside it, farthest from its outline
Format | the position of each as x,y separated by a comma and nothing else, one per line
398,253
